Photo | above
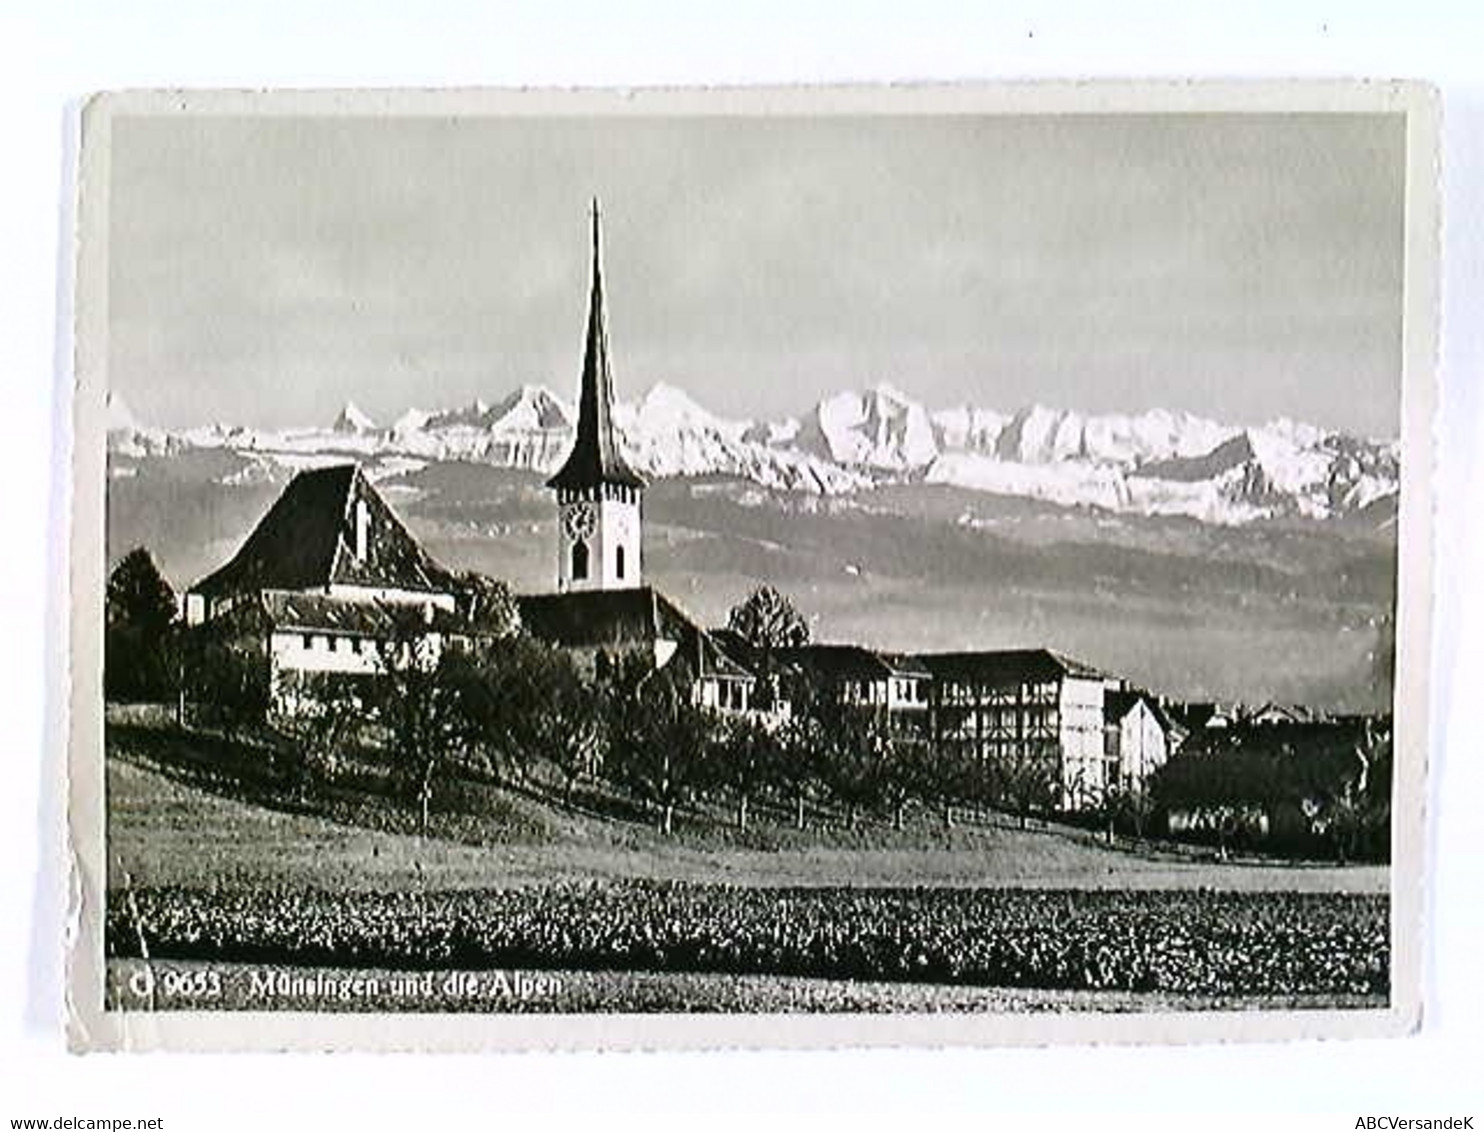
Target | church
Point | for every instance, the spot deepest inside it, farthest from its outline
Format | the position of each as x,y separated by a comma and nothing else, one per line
602,609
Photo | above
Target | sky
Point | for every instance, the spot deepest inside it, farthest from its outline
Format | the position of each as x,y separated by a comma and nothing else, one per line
264,271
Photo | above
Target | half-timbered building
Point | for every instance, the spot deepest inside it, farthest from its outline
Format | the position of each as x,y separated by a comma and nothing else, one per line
1023,709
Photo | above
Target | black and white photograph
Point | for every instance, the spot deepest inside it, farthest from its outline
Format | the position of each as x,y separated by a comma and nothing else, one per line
871,555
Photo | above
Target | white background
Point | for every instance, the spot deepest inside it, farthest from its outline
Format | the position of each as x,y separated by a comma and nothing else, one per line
52,55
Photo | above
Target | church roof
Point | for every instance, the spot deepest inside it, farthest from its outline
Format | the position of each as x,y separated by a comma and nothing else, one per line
630,618
595,458
307,541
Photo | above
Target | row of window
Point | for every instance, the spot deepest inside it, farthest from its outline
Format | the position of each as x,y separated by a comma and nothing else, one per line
617,491
1000,718
953,692
324,642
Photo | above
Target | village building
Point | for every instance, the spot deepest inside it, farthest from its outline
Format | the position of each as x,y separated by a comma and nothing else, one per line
894,685
330,579
1137,738
601,628
327,577
329,533
1024,708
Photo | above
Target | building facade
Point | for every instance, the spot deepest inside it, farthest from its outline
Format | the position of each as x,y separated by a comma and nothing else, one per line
320,587
1024,711
1138,739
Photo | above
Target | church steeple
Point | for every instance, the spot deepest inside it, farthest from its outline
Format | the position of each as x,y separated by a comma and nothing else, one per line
599,537
595,458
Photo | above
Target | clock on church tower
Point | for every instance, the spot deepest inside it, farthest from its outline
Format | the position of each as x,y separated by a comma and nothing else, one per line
598,495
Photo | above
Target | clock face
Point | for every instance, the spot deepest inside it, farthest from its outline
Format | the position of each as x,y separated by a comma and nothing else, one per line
580,520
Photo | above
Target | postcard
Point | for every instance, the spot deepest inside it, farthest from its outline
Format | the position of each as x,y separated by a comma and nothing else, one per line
759,567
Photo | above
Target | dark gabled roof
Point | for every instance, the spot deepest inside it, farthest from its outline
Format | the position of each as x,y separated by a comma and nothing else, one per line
1117,704
1005,667
307,538
1282,713
851,662
595,458
619,619
1192,716
347,616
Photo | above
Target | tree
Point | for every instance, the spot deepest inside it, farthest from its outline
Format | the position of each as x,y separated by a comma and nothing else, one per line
660,738
417,700
225,675
967,776
505,688
855,757
768,620
1028,782
487,606
799,758
559,715
1129,804
1227,780
910,771
327,716
139,659
1346,789
746,758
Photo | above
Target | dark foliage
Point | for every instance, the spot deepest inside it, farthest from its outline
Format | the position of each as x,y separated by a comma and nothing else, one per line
225,677
1298,788
140,661
768,620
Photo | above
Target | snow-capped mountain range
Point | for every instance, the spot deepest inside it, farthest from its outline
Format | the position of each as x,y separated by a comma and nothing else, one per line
1154,463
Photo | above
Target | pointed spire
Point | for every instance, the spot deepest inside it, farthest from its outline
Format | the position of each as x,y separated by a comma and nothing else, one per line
595,458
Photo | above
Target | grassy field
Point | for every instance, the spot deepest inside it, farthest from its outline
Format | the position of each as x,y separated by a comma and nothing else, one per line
225,873
163,830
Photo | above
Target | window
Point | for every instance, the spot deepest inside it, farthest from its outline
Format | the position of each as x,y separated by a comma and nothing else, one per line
308,641
579,561
618,563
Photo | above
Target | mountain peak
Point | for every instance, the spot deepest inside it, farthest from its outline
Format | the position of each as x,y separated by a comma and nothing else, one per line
532,406
351,419
662,396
